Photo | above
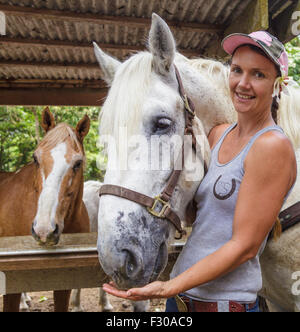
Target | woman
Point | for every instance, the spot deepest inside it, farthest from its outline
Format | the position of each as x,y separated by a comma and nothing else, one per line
252,170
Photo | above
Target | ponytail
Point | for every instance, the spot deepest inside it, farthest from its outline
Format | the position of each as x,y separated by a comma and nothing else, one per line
274,109
277,229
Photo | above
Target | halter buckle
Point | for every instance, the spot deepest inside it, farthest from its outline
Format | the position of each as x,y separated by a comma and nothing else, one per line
160,204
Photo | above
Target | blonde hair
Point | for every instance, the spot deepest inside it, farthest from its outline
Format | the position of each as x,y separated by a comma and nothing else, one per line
124,102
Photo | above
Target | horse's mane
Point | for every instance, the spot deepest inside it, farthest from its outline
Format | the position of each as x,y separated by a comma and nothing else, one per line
214,70
59,134
124,102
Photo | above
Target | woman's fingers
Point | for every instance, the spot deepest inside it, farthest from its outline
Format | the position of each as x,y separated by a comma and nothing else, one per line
150,291
111,289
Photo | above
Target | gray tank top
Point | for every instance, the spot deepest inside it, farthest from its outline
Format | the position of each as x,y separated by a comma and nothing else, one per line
216,199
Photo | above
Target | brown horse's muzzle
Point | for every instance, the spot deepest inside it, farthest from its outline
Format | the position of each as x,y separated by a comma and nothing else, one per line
46,239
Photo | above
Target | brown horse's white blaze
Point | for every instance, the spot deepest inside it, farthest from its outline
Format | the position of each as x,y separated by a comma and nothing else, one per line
59,174
47,224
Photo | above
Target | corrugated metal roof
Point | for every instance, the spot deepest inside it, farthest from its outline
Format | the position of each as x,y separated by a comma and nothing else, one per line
51,39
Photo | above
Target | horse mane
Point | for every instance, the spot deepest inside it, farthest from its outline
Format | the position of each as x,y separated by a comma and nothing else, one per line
288,114
124,102
59,134
214,70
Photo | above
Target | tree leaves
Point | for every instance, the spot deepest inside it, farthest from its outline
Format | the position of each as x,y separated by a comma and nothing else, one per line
293,50
18,135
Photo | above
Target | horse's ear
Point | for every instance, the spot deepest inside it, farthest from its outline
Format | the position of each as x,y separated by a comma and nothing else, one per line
161,45
108,64
82,128
48,121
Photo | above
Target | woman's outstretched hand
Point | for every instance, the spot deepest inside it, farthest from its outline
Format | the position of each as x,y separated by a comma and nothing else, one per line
154,290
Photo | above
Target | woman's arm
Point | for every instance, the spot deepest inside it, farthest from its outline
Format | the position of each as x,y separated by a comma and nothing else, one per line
270,170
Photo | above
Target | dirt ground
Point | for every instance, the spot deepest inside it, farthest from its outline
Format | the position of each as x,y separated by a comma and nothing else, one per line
43,302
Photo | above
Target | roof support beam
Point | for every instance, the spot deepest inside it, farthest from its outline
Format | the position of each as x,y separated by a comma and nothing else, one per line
103,19
52,97
68,44
58,65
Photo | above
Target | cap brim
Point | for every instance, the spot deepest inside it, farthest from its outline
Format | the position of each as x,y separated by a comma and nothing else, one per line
231,42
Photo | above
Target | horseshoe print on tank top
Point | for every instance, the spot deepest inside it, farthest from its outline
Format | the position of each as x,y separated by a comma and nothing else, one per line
223,189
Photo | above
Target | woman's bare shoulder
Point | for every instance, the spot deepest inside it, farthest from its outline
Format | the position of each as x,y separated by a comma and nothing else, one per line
276,143
273,150
216,133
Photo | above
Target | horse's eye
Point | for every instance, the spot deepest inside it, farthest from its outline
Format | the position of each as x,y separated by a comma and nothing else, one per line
35,159
162,124
77,165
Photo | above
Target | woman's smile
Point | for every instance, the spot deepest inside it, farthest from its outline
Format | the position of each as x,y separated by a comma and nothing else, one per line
244,97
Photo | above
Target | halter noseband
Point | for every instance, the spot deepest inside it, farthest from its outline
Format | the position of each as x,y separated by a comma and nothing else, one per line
159,206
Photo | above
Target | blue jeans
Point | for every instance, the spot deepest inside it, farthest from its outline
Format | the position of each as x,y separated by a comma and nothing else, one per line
171,306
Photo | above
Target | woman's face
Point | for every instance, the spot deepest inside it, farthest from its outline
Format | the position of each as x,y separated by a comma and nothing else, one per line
251,81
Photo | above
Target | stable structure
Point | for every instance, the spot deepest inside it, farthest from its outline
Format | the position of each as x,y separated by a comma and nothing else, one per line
72,264
47,58
46,54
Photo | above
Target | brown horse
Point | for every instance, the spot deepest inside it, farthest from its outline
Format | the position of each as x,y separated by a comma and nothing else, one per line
44,198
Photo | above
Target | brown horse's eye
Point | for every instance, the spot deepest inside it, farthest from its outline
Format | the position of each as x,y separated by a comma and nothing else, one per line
35,159
77,165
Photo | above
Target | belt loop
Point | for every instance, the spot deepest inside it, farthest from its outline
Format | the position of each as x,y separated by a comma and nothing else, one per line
223,306
191,305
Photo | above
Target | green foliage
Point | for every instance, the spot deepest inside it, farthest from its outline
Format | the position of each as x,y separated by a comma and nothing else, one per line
293,50
19,135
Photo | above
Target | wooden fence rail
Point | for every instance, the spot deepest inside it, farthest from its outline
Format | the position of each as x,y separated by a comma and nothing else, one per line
27,267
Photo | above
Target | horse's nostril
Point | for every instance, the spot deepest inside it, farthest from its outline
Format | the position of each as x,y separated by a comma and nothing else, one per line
56,231
34,233
132,264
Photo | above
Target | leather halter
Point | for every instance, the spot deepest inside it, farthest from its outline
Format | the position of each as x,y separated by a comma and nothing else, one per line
159,206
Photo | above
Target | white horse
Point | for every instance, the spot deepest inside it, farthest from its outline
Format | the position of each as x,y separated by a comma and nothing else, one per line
144,99
91,201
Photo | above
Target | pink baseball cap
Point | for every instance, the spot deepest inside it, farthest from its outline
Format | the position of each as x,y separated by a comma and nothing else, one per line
271,46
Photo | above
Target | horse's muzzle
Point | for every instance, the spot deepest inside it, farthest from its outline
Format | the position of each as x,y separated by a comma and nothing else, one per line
51,239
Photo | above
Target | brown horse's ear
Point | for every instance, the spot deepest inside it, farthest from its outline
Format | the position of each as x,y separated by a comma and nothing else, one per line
82,128
48,121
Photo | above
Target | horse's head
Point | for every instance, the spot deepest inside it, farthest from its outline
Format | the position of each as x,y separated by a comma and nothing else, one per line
59,160
143,122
